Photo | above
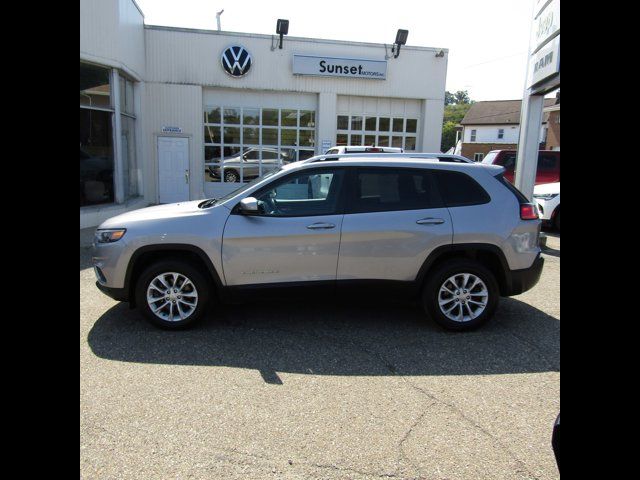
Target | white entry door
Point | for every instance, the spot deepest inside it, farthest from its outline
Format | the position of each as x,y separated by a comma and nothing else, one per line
173,169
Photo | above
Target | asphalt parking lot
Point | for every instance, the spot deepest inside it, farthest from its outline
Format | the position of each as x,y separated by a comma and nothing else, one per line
316,390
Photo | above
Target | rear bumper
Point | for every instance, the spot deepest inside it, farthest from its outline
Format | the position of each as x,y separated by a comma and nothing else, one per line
519,281
119,294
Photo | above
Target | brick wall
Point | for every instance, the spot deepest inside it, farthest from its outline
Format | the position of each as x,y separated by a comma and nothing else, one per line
470,149
553,131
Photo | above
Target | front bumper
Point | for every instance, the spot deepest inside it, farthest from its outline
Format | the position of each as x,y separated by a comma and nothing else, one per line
519,281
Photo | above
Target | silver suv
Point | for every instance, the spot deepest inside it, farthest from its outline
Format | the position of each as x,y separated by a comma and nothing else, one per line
452,234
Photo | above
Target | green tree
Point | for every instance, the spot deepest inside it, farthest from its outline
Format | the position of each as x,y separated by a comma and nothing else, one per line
462,96
456,106
449,98
448,136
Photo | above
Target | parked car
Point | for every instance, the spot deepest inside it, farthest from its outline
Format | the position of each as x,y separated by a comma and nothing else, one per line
547,197
548,164
454,235
360,149
249,163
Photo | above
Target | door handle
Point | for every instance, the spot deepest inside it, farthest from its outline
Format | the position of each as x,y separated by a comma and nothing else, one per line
320,225
186,176
430,221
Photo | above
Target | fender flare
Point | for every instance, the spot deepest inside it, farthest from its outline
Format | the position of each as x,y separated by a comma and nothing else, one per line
469,249
173,247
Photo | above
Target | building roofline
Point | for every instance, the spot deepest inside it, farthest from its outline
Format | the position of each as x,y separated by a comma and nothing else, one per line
297,39
138,7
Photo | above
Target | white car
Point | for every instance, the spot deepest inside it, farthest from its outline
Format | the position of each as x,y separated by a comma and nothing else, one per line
362,149
547,197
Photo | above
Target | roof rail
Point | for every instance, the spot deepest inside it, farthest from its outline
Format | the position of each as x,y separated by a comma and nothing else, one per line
442,157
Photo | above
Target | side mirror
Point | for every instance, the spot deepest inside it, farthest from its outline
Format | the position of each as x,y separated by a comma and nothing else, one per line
249,205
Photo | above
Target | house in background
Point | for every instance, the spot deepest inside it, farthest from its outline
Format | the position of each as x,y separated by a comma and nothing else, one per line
552,115
495,125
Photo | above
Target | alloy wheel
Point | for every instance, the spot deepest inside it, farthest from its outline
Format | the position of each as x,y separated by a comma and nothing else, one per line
463,297
172,297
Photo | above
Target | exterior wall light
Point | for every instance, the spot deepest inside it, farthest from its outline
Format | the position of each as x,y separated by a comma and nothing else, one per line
401,39
282,28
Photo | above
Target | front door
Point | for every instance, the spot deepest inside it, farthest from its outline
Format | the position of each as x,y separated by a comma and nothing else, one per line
294,238
173,169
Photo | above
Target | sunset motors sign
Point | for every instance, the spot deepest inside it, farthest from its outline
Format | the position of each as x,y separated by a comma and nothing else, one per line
324,66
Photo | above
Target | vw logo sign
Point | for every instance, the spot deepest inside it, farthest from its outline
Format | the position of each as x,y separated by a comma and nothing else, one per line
236,61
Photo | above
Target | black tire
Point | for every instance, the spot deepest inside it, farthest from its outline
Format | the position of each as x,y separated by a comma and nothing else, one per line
200,282
556,220
231,176
440,275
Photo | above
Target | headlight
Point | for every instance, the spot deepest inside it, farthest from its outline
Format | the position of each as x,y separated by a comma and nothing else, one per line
109,236
545,196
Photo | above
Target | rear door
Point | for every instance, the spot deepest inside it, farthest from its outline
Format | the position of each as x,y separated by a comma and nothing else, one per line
394,219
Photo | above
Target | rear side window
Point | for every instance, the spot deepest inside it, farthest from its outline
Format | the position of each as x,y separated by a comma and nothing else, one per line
389,189
459,189
547,163
509,161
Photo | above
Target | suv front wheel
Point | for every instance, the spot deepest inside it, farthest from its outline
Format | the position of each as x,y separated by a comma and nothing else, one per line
172,294
460,295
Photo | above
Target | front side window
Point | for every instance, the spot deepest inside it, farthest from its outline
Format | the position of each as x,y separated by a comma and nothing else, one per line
306,193
392,189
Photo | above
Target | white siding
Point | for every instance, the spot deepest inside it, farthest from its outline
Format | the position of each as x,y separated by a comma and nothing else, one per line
112,33
489,133
193,57
176,106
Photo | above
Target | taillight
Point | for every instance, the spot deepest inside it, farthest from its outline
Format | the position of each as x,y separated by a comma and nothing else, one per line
528,211
373,149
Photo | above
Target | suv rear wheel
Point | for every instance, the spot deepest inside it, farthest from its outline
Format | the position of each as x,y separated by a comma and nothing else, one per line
461,295
172,294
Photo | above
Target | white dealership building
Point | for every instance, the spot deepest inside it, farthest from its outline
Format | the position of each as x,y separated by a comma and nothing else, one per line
171,114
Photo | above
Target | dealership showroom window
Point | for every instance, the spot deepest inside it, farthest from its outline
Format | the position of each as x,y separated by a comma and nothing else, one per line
101,181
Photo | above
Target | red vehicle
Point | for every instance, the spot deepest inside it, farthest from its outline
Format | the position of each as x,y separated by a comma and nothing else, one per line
548,164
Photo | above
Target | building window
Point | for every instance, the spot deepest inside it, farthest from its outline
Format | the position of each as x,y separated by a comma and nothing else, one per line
381,131
477,157
242,143
500,133
473,135
97,138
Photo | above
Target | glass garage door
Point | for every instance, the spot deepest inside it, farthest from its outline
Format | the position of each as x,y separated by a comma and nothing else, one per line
381,131
242,143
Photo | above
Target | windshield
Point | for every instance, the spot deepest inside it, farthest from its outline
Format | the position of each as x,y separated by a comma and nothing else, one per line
489,158
210,202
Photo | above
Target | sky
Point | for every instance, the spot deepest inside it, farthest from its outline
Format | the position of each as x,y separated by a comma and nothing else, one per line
487,39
